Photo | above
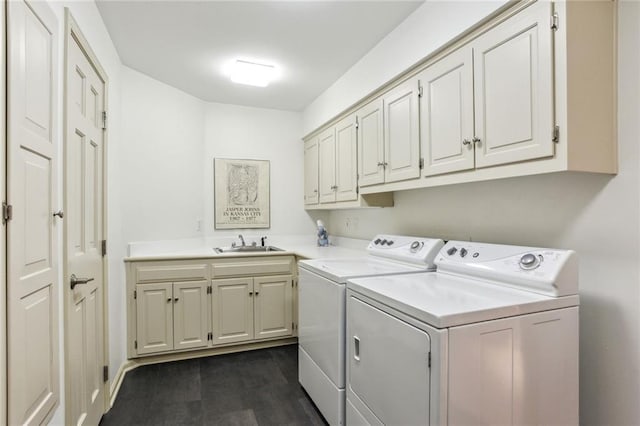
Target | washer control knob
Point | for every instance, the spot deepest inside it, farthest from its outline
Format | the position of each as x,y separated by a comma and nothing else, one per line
415,246
390,242
529,261
452,251
377,241
384,242
463,252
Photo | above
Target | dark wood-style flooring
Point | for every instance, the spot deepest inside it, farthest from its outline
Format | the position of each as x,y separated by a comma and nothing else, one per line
249,388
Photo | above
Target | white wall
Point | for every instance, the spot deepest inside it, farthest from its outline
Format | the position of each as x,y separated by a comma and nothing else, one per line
596,215
424,31
233,131
160,166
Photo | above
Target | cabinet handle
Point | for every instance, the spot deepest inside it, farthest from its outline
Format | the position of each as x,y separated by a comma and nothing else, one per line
175,300
476,140
315,191
356,348
466,142
250,293
169,300
334,187
257,293
59,213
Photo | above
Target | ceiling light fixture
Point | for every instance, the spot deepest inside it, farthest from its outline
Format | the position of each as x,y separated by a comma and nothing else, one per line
252,73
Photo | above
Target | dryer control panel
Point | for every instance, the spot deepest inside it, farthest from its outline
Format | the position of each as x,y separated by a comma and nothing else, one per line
414,250
551,272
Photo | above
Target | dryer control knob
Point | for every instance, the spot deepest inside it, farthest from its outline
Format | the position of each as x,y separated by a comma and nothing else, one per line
452,251
529,261
415,246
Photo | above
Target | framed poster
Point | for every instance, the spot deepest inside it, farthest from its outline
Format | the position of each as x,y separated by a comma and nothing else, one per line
241,193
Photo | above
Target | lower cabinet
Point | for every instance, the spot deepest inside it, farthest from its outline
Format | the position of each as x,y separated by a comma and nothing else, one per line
252,308
171,316
177,306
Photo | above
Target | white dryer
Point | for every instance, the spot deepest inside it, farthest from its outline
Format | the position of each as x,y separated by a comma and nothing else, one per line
322,318
490,338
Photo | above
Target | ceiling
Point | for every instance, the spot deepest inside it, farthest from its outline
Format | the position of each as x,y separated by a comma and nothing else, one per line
188,44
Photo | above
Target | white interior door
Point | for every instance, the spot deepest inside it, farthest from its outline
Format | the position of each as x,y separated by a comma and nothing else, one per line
32,248
84,194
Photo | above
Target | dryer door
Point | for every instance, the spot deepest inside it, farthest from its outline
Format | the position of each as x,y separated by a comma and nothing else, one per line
388,366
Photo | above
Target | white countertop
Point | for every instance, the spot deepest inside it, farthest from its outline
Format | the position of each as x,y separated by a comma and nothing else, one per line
301,246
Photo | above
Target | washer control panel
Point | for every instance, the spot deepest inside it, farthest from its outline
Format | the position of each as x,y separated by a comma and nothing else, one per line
416,250
548,271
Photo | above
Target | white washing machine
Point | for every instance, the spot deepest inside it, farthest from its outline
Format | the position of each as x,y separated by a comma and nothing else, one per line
322,318
491,338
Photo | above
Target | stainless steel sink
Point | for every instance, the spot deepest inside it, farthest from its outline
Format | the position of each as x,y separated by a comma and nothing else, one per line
246,249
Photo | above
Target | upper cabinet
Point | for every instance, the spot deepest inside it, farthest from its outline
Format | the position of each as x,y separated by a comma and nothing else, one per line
338,172
513,89
446,114
371,143
502,82
402,132
311,171
530,91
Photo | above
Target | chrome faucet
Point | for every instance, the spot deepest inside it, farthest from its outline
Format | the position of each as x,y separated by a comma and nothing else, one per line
241,239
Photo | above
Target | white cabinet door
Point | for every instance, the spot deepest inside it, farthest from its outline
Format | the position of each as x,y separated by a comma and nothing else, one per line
327,151
232,306
311,171
346,160
514,89
154,317
402,132
190,315
446,114
371,144
273,306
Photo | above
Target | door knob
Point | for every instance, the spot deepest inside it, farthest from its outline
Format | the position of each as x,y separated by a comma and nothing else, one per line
75,281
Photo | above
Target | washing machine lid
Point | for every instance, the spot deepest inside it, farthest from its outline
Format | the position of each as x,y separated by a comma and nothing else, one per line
342,269
444,300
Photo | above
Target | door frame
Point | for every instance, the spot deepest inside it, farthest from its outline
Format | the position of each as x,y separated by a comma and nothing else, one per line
72,31
3,235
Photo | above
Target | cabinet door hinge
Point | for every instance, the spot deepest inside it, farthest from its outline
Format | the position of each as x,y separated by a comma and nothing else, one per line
555,137
293,326
420,92
429,360
135,294
135,344
104,120
421,164
210,336
7,212
357,124
209,289
104,248
554,21
105,373
357,190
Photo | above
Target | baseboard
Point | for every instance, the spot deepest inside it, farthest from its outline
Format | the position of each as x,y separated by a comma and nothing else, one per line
117,381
